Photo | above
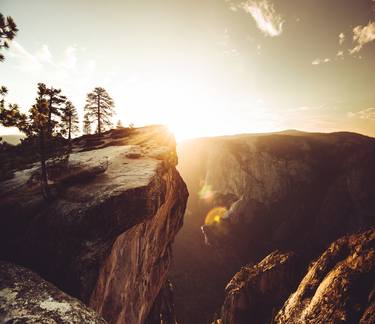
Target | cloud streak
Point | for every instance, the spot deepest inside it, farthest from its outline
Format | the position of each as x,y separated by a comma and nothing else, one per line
265,16
362,35
318,61
368,114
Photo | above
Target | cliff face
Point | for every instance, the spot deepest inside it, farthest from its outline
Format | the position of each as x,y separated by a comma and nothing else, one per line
106,236
283,189
291,191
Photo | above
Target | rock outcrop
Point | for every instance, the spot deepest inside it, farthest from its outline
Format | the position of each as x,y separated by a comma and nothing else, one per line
339,287
27,298
258,291
106,236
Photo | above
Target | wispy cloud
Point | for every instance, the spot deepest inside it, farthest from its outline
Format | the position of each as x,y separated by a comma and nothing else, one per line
318,61
69,70
269,22
341,38
265,16
70,58
25,61
362,35
368,113
42,58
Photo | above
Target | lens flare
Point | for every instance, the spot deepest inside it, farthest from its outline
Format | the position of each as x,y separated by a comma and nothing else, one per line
215,215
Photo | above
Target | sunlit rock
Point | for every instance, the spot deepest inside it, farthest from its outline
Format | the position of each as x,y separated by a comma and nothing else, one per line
339,287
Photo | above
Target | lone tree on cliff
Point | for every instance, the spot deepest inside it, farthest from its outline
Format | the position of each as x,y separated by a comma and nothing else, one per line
8,30
69,120
99,109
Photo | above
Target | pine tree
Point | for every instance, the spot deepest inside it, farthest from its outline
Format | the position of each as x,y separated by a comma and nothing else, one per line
99,109
33,125
86,125
11,116
8,30
3,93
39,125
119,124
69,120
56,103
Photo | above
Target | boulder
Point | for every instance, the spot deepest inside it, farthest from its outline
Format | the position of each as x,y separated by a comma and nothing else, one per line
26,298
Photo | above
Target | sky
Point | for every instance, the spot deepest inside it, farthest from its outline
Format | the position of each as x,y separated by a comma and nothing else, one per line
202,67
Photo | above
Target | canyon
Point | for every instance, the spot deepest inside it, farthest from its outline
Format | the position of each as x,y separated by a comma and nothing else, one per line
278,228
265,204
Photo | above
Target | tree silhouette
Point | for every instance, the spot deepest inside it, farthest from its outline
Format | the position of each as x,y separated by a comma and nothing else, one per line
8,30
86,125
69,120
3,93
99,108
55,106
119,124
39,113
33,125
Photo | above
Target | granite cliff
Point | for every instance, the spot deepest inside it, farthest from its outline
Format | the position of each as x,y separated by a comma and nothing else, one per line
291,192
338,287
106,236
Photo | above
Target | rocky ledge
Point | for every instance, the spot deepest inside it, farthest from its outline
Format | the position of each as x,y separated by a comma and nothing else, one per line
339,287
106,236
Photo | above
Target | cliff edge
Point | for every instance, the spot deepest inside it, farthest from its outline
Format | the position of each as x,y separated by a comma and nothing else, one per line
106,236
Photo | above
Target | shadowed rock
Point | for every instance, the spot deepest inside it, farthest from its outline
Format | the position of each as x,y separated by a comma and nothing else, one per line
27,298
256,292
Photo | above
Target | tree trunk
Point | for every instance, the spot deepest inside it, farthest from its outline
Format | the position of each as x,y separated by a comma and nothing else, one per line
44,176
49,122
99,117
70,129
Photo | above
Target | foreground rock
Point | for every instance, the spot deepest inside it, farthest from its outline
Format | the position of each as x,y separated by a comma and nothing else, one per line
106,237
339,287
256,292
27,298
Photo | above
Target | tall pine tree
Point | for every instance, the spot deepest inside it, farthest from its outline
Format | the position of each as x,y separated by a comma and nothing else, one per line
33,125
99,109
69,120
